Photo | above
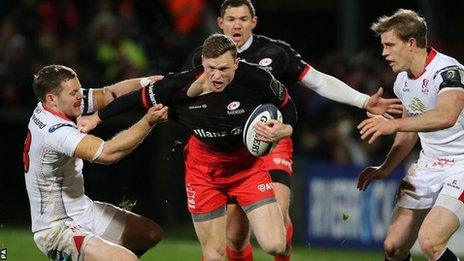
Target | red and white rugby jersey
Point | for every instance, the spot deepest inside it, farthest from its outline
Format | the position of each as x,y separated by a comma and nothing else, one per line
420,94
54,180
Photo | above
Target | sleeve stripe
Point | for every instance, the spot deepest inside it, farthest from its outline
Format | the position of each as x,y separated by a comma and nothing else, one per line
285,101
144,98
85,92
304,72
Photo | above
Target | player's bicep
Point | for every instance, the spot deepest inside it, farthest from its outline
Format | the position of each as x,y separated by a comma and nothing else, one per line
89,148
451,102
99,98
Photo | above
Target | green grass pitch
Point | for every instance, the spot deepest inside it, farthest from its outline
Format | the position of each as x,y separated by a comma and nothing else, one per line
20,246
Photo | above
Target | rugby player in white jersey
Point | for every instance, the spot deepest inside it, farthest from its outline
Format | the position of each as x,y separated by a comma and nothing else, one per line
430,85
67,225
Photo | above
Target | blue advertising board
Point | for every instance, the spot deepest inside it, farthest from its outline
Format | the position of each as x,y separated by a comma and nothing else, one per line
338,215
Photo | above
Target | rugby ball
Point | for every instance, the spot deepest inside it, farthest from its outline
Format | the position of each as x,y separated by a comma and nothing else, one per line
262,113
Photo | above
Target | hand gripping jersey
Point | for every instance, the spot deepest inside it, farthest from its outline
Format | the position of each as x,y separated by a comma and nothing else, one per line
420,94
275,56
54,181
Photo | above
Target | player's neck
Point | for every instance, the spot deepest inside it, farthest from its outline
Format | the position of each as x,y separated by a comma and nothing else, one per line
54,110
418,63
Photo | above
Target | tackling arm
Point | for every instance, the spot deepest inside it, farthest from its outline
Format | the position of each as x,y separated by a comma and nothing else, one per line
332,88
104,96
336,90
93,148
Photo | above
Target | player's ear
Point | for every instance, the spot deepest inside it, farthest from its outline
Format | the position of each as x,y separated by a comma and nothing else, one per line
220,22
412,43
236,62
50,98
254,22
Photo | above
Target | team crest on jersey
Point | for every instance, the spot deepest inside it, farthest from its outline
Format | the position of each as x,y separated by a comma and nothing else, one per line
59,125
265,62
233,108
425,86
233,105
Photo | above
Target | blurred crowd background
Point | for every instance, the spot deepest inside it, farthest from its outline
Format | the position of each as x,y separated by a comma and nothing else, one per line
107,41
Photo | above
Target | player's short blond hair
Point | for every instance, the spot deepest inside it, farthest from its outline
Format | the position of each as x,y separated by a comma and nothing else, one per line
406,24
49,79
217,45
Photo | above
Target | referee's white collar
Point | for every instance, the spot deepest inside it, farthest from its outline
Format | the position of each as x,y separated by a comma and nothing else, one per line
246,45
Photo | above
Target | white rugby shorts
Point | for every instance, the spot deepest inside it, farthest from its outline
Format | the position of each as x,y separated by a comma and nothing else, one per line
437,183
70,238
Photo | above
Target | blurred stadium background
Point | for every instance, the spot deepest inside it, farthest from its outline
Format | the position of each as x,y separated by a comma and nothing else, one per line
107,41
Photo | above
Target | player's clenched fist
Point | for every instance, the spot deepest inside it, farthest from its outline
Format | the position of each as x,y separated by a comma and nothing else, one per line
157,114
88,123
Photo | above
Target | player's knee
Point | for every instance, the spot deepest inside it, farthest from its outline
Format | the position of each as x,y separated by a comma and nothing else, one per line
275,246
154,234
390,247
212,254
430,245
127,256
237,239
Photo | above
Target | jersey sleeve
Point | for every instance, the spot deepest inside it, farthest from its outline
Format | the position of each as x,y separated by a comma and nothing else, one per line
87,105
451,77
64,138
275,92
156,93
295,65
146,97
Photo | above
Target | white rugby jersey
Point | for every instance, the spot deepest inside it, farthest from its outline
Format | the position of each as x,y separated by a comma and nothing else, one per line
54,180
421,94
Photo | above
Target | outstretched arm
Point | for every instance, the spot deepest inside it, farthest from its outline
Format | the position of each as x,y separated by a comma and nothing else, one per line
104,96
449,106
93,148
334,89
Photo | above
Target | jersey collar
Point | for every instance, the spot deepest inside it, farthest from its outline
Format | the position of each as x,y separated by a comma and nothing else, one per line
431,54
56,113
246,45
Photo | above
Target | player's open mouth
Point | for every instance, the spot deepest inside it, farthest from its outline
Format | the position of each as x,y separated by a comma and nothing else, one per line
77,104
217,84
237,37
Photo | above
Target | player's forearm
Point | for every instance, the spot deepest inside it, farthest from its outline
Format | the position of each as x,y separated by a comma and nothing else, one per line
119,89
432,120
332,88
125,142
402,146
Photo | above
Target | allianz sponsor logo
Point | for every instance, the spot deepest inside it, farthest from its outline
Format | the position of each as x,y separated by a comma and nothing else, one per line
265,187
233,108
218,134
200,106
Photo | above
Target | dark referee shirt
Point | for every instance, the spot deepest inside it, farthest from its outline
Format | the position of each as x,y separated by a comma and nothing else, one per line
215,118
275,56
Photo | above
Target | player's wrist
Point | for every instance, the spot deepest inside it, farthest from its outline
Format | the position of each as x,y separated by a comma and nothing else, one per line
366,102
